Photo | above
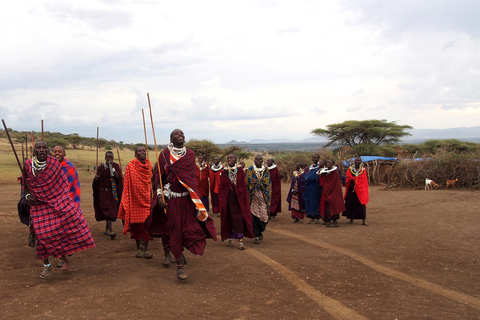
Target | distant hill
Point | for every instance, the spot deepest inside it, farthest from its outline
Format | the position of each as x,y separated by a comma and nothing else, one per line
460,133
418,136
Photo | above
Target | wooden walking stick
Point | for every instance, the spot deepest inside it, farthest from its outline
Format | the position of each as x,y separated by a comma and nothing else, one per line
156,150
96,165
145,131
26,144
43,135
119,160
146,147
13,148
33,146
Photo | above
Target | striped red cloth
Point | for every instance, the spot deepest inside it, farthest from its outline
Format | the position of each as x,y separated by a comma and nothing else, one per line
73,180
135,205
189,184
59,224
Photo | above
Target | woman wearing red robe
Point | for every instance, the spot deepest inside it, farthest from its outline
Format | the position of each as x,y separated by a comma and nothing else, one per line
215,172
202,173
235,214
331,202
356,194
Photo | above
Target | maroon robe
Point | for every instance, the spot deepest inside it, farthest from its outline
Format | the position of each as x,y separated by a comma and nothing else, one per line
240,191
184,229
214,184
106,208
276,201
202,180
331,194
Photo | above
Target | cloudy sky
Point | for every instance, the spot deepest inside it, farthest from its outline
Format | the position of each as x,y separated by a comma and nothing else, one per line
224,70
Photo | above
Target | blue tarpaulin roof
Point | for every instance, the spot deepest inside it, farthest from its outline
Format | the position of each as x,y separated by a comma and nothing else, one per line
367,159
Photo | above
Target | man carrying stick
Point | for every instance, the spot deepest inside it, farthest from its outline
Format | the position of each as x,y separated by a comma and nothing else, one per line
60,227
186,218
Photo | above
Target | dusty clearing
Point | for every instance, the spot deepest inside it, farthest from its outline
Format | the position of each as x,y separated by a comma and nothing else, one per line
418,259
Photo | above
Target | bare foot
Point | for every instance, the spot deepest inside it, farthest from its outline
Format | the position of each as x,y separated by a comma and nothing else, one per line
65,266
46,271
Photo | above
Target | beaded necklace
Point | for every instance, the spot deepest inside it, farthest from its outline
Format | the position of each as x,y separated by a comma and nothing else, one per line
37,165
202,165
259,171
180,152
313,166
356,172
298,173
232,173
216,167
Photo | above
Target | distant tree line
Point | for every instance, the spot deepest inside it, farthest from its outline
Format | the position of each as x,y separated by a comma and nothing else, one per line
205,147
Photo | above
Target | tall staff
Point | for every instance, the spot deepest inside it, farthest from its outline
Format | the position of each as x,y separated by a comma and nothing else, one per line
145,131
119,161
13,148
26,143
156,150
33,146
43,135
96,165
146,146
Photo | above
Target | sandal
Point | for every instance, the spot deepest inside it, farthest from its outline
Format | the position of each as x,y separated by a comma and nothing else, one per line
138,254
59,263
256,241
46,271
229,242
147,255
241,246
166,262
181,275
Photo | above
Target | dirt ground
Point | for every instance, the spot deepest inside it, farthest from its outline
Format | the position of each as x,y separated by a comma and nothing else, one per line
418,259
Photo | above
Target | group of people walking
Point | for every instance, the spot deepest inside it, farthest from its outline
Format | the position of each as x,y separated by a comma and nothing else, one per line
167,200
171,200
316,193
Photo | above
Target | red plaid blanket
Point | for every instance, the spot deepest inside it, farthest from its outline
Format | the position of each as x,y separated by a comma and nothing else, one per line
136,197
59,224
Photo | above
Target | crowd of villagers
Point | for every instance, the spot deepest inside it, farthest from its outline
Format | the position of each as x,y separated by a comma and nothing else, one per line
316,193
169,199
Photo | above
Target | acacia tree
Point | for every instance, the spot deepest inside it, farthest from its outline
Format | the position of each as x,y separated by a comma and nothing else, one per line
209,150
363,136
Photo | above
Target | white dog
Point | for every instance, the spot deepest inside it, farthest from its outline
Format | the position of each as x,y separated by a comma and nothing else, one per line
430,183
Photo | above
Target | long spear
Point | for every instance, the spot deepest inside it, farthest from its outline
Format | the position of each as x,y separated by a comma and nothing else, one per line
96,165
119,160
13,147
33,146
145,131
146,145
156,150
26,143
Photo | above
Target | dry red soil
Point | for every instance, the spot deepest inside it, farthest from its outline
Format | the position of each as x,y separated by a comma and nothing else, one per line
418,259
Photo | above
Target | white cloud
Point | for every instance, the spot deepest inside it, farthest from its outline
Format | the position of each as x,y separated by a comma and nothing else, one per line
221,70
